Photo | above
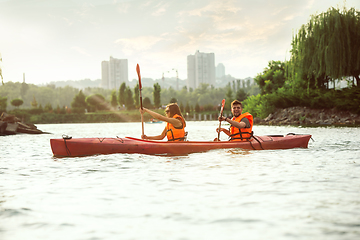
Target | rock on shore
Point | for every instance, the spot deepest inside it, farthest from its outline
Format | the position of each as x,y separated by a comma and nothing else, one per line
307,116
10,125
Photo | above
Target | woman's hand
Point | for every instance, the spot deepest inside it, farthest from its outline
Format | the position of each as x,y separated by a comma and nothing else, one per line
142,110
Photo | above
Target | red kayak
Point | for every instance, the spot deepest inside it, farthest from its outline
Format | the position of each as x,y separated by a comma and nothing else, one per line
75,147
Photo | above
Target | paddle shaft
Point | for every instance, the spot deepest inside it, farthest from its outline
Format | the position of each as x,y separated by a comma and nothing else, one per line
221,114
140,88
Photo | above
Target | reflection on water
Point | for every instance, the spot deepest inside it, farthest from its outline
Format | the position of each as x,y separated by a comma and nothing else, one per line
220,194
240,151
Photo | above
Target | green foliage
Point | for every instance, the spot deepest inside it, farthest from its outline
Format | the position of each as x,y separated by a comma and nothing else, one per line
113,100
97,101
129,100
347,99
24,89
147,103
122,94
156,95
173,100
197,108
79,104
228,97
258,106
327,48
17,102
182,108
241,95
34,103
272,78
48,108
3,104
137,96
187,108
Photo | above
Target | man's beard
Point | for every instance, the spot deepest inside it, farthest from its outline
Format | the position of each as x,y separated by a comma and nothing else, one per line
237,114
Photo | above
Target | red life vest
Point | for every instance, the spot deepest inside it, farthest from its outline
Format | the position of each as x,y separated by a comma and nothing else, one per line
176,134
242,134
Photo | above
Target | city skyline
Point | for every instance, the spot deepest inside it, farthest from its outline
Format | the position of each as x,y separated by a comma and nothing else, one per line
66,40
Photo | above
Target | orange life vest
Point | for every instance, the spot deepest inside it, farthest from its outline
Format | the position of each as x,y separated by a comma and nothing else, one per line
175,134
242,134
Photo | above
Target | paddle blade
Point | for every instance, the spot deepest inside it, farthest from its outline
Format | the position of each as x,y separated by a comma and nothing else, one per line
138,73
222,106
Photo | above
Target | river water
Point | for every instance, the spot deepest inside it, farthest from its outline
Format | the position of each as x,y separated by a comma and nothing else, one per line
309,193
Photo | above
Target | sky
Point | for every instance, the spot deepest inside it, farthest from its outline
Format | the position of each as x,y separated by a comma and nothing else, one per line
59,40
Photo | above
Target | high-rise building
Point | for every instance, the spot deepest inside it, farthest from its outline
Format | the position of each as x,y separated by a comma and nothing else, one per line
114,73
220,70
200,69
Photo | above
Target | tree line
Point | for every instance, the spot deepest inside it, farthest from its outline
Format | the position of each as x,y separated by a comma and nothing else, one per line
68,99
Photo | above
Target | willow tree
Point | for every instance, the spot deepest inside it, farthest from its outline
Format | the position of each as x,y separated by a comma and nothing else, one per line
327,48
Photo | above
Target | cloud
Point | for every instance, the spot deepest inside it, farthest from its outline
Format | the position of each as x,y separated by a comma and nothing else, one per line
141,43
81,51
160,9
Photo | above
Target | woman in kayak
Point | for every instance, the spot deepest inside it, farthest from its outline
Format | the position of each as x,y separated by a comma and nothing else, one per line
175,126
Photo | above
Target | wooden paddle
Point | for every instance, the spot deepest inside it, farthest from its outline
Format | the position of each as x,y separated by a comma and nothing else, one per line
141,106
221,113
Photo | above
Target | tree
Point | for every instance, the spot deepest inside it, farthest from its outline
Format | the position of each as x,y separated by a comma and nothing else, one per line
228,97
197,108
3,104
187,107
129,101
327,48
272,78
137,96
34,103
181,106
156,95
97,101
24,89
122,94
113,100
48,107
147,102
241,95
79,103
173,100
17,102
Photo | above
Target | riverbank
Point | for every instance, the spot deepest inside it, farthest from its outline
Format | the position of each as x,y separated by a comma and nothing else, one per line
299,116
295,116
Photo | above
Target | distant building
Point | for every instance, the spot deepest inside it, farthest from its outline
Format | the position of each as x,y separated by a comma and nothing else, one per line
220,70
114,73
200,69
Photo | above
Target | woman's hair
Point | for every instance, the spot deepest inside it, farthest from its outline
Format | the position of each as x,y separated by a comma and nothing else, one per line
174,109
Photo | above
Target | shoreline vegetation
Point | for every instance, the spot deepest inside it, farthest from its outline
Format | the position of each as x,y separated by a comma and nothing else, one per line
292,116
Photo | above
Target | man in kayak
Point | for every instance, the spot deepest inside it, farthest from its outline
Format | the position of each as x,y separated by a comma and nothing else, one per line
241,124
175,126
